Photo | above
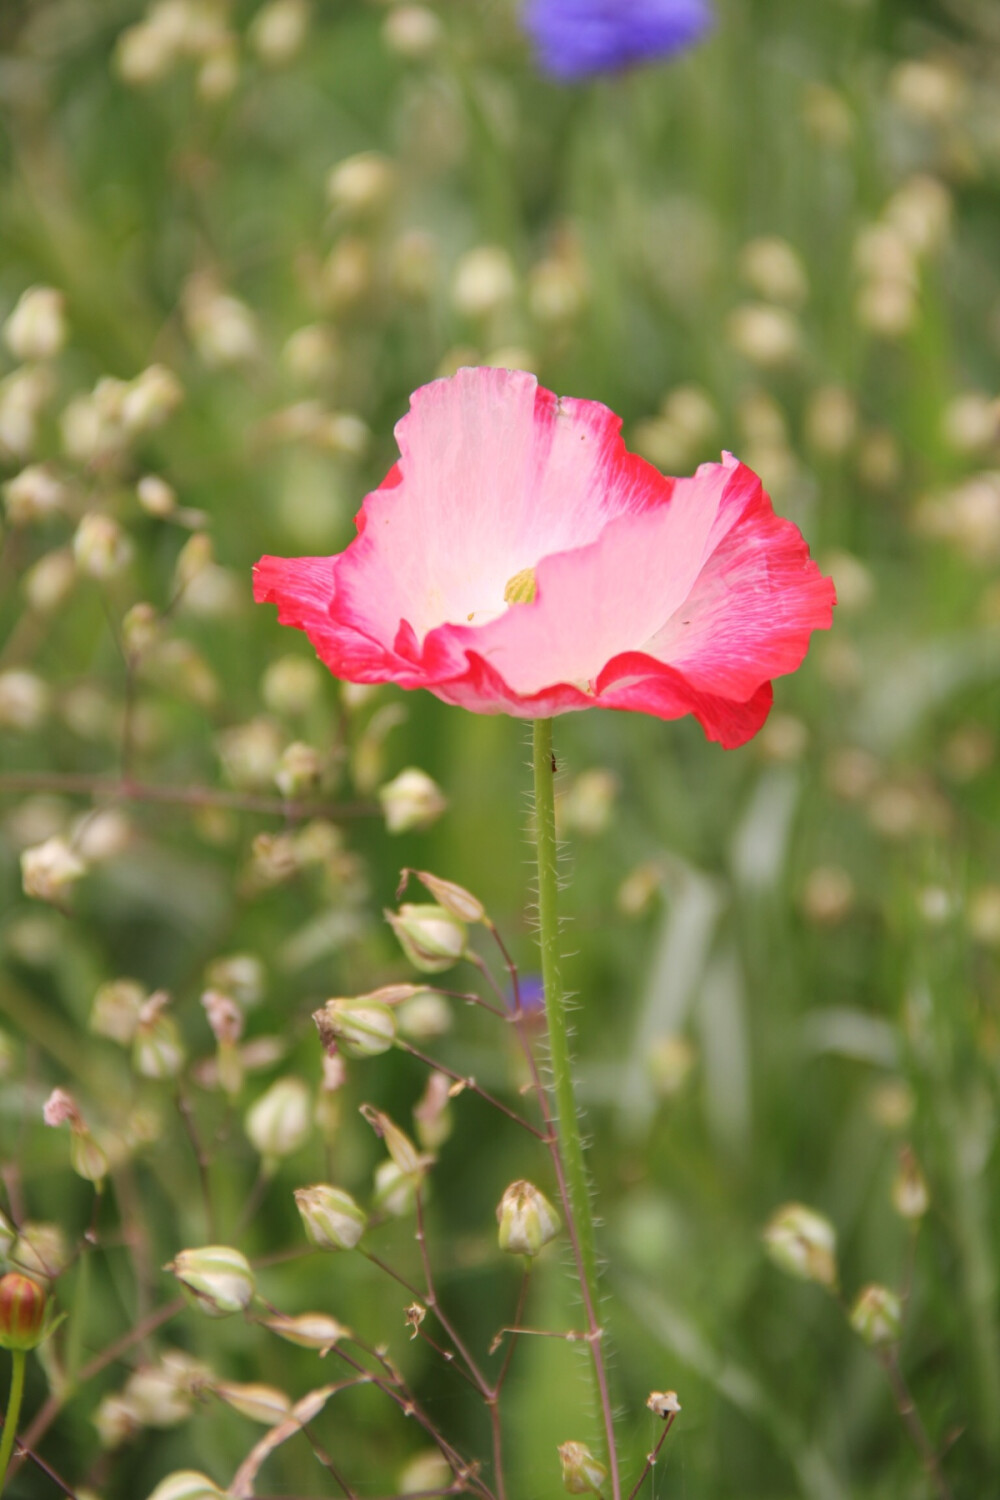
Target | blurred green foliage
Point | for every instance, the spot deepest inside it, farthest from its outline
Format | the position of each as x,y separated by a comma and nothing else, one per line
786,957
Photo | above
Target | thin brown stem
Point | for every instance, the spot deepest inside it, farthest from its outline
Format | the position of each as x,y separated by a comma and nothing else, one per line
522,1298
186,1111
652,1457
434,1305
910,1417
124,789
472,1086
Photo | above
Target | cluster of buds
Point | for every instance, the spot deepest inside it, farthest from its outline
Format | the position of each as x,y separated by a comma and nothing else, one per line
87,1157
804,1244
216,1279
174,31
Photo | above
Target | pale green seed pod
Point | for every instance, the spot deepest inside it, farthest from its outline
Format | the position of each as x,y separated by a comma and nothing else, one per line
395,1191
877,1316
216,1279
331,1218
454,898
363,1027
431,937
279,1122
157,1049
804,1244
261,1403
581,1472
41,1251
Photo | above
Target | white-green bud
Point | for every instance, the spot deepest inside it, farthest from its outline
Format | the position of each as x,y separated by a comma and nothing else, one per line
157,1049
215,1278
24,700
261,1403
279,1122
803,1244
116,1010
36,329
581,1472
187,1484
241,975
527,1220
910,1196
362,1027
86,1157
331,1218
50,582
398,1144
412,31
395,1191
484,282
100,547
424,1016
877,1316
314,1330
291,686
429,1470
278,30
156,496
150,399
299,770
33,495
431,937
40,1250
49,869
411,800
431,1114
361,185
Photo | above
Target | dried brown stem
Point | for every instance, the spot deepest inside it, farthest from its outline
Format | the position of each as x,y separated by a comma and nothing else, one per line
652,1457
472,1086
910,1417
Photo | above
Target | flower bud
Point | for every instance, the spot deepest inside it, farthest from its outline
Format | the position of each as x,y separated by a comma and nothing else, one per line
261,1403
484,282
877,1316
309,1330
411,31
23,1305
411,800
331,1218
430,936
454,898
215,1278
116,1010
50,582
424,1016
429,1470
431,1114
150,399
278,31
299,770
910,1196
100,547
361,1027
33,495
361,185
804,1244
157,1049
36,329
40,1251
49,869
278,1123
24,700
581,1473
398,1144
527,1220
156,496
187,1484
395,1191
115,1421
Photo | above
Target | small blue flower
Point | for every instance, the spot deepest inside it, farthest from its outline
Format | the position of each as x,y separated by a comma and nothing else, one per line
532,996
576,38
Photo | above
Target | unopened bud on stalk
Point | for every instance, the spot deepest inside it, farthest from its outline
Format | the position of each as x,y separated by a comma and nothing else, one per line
411,31
411,800
241,975
423,1017
803,1244
398,1144
877,1316
87,1158
156,496
150,399
910,1196
187,1484
197,554
24,700
363,1027
527,1220
331,1218
36,329
40,1251
33,495
48,870
261,1403
50,582
581,1472
157,1049
454,898
100,547
395,1191
314,1330
361,185
116,1010
430,936
215,1278
279,1122
278,30
23,1306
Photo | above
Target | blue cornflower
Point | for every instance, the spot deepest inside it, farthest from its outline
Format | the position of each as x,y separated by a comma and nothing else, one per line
576,38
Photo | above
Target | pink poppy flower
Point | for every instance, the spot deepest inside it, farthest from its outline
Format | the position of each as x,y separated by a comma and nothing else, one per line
518,559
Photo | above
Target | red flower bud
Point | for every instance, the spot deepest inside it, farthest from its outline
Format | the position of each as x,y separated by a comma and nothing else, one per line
22,1311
